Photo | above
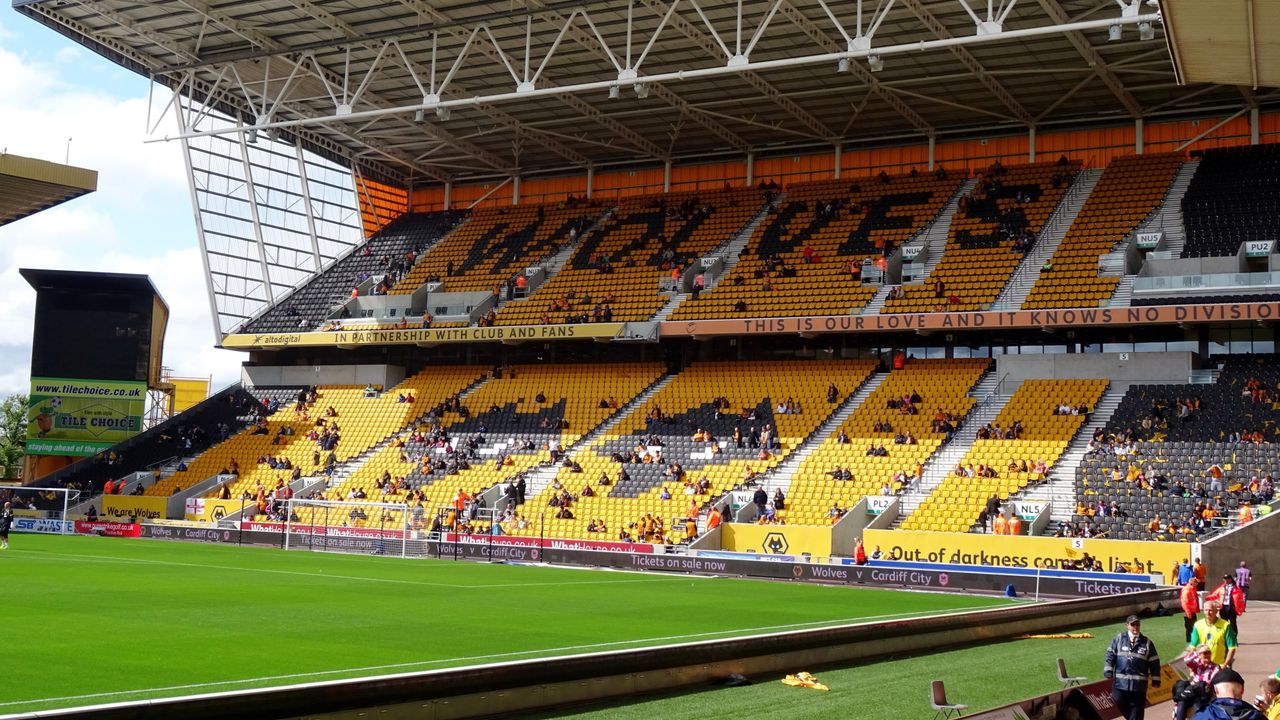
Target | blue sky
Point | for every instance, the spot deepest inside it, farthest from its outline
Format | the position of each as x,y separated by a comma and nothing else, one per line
139,220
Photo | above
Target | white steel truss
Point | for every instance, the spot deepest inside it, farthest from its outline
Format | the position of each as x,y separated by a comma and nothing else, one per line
346,89
432,91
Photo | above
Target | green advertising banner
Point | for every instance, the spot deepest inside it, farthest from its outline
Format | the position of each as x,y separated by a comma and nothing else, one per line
82,417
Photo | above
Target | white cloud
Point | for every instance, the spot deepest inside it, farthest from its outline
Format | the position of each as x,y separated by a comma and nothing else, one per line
68,54
138,221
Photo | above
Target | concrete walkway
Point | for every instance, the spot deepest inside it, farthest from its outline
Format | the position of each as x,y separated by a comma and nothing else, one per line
1258,656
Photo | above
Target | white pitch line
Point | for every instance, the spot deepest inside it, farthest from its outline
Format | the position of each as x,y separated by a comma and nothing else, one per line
476,658
72,557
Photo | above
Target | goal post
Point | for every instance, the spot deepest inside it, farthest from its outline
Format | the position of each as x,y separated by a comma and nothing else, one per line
350,526
43,510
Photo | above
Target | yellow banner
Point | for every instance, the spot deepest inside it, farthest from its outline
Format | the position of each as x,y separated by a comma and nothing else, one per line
776,539
142,507
1025,552
411,336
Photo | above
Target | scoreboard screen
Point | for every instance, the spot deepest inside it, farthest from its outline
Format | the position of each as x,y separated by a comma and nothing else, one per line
99,335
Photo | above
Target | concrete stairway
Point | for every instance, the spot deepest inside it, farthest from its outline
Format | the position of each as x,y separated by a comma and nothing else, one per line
1050,237
732,252
1059,488
669,307
541,476
991,399
1123,294
935,235
781,475
877,301
1168,217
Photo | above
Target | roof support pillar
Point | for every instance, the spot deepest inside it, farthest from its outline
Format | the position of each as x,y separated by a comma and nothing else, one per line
251,198
666,175
839,153
751,169
591,181
1139,136
1031,144
515,189
448,194
933,147
305,186
1253,125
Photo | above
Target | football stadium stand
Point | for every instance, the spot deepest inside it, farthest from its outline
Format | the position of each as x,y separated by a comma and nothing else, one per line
334,424
495,245
1128,191
503,428
1234,198
620,270
1177,461
386,254
910,430
996,225
1018,448
192,431
629,301
714,427
807,257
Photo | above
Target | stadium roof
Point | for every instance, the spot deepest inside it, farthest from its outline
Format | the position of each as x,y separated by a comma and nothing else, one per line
417,91
28,186
1210,45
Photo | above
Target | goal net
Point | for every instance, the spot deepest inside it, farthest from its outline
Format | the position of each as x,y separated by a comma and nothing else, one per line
354,526
43,510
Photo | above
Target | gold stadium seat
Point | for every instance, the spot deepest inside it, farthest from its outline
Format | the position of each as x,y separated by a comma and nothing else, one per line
942,385
822,283
976,263
1128,191
957,502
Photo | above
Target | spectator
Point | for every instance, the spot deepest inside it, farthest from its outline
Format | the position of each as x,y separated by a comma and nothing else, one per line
1228,689
1215,632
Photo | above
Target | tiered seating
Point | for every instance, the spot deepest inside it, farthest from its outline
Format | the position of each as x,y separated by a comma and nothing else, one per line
502,415
979,258
1187,489
362,422
1233,198
942,386
496,244
310,304
955,505
200,426
1183,460
1226,406
1128,191
621,263
686,405
866,217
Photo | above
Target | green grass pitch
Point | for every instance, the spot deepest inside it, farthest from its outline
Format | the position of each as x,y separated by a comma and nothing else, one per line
107,620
